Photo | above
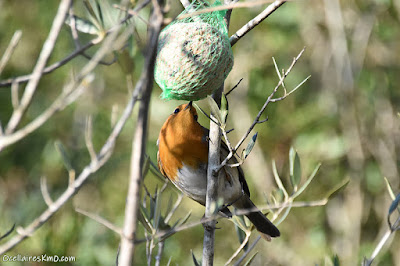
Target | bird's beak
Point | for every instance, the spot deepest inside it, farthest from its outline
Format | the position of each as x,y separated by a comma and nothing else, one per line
188,105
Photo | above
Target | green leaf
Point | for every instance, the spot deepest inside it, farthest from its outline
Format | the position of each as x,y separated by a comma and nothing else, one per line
196,263
169,205
251,259
335,260
152,207
82,25
215,110
389,188
394,205
100,13
224,108
278,180
295,168
143,219
240,233
92,13
250,146
146,166
338,188
277,195
89,8
185,219
239,221
308,181
157,211
64,156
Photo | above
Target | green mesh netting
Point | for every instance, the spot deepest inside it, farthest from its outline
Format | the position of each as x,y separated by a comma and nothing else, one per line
194,55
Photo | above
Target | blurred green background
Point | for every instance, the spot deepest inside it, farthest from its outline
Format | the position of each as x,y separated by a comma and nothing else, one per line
345,116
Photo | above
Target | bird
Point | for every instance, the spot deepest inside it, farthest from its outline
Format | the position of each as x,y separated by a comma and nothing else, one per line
183,158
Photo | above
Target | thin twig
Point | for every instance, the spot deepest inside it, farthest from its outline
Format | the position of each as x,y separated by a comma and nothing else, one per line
7,233
59,104
185,3
97,40
252,246
254,22
45,192
290,92
100,220
225,7
15,95
91,168
10,49
47,50
269,100
70,93
51,68
239,249
159,254
279,74
89,138
174,208
234,87
378,248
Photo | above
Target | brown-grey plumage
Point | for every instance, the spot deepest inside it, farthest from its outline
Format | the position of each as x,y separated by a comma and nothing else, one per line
182,158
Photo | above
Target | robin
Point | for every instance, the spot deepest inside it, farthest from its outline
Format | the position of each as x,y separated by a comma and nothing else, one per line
183,156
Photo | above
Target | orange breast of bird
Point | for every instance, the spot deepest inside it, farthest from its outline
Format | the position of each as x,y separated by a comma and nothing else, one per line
183,158
182,141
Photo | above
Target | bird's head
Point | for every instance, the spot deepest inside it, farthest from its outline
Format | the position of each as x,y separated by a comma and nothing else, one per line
182,127
184,117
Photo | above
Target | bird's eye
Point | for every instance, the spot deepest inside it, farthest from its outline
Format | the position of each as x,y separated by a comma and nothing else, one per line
176,111
195,117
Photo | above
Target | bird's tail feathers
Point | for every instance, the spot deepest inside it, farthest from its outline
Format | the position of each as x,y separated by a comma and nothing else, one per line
266,228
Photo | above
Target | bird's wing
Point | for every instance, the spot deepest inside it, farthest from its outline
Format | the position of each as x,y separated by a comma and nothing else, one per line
233,160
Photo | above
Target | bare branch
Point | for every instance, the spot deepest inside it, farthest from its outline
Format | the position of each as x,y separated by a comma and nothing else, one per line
7,233
40,65
97,40
254,22
212,186
231,5
270,97
10,49
45,191
257,119
378,248
185,3
138,143
262,121
14,95
279,74
91,168
52,67
71,92
234,87
252,246
89,138
159,254
178,201
239,249
100,220
290,92
59,104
